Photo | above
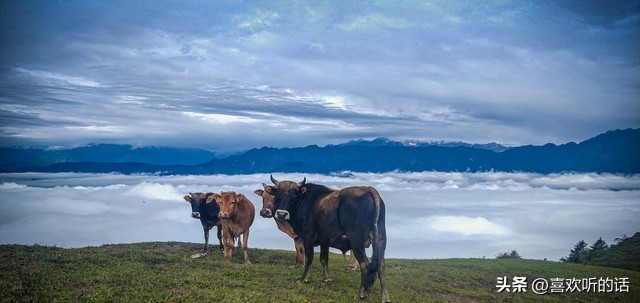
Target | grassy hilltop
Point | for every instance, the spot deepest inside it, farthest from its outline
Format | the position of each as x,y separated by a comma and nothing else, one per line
164,272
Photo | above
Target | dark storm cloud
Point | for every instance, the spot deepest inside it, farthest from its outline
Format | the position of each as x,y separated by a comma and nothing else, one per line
163,73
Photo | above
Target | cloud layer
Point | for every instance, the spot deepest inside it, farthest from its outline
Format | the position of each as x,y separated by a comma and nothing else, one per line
230,76
429,215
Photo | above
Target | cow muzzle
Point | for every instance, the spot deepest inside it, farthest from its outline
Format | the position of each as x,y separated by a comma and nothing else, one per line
266,213
195,214
223,216
282,215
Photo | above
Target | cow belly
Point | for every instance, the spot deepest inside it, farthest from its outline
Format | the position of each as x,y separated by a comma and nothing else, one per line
334,238
328,236
236,229
342,243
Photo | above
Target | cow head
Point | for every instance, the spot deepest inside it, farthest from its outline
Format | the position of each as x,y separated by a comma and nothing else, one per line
268,200
286,197
227,202
197,201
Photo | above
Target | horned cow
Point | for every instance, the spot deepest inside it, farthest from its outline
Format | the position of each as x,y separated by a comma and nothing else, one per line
349,218
267,211
268,208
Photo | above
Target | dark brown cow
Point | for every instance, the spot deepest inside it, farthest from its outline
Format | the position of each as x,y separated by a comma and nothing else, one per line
267,211
208,215
268,208
237,214
349,218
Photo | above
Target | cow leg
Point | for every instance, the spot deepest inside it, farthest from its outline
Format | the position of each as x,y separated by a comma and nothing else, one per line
308,259
239,243
324,260
299,251
361,256
206,240
244,246
221,246
231,248
353,263
382,275
228,247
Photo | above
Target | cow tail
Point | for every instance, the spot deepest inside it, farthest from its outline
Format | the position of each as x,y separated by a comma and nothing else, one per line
372,270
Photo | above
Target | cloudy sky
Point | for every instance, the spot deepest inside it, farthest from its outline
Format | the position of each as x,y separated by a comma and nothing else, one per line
231,75
428,214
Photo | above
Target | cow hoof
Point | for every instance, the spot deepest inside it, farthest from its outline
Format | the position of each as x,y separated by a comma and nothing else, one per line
326,280
247,262
303,281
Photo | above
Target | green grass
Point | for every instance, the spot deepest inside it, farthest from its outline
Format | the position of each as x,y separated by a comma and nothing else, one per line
164,272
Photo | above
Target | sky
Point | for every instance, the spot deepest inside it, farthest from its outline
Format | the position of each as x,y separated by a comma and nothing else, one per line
233,75
428,214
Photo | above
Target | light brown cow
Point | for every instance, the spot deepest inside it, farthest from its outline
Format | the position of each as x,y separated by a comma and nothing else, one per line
237,214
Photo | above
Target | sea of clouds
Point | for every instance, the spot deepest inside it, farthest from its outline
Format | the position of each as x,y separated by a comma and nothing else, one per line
429,214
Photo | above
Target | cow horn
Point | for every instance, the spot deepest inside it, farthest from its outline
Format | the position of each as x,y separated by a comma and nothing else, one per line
303,182
265,185
276,182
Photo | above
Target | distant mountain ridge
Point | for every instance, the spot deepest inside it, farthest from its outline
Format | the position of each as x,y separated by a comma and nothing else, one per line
14,158
612,152
382,141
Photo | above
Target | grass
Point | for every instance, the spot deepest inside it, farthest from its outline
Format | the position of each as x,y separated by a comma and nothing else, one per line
164,272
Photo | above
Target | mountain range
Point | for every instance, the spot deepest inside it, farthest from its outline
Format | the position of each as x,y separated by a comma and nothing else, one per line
415,143
21,157
612,152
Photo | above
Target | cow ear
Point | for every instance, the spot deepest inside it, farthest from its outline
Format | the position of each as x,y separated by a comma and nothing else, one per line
270,190
239,197
187,198
259,192
303,190
211,197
